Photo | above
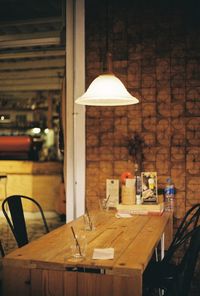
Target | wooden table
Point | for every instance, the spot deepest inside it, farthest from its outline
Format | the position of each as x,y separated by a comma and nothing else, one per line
45,266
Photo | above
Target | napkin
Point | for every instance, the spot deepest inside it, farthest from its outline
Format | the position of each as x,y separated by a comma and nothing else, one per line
123,215
106,253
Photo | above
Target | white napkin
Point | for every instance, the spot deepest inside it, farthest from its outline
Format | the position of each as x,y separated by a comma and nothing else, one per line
106,253
123,215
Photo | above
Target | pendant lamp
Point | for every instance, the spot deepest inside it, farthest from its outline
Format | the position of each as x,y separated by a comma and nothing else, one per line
107,90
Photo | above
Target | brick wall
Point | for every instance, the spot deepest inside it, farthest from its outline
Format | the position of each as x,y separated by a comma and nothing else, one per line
156,53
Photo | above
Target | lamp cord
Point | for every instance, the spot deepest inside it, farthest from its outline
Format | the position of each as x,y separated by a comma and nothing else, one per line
108,54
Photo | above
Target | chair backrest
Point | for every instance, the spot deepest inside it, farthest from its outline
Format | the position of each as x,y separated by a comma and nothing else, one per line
189,223
16,219
188,263
1,249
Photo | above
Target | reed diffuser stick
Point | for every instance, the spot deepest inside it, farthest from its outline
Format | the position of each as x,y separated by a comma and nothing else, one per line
89,219
77,243
105,205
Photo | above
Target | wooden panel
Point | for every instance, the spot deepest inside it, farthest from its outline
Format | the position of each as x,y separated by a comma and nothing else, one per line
16,281
27,37
14,166
32,54
133,239
52,282
90,284
48,85
141,249
19,23
19,184
31,82
47,282
56,72
38,180
70,283
47,168
129,286
45,63
36,282
46,190
29,167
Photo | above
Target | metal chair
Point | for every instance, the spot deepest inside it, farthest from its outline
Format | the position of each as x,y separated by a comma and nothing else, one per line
2,250
165,270
174,279
16,219
190,221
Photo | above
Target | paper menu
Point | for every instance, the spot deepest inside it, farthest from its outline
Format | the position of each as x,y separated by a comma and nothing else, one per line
112,192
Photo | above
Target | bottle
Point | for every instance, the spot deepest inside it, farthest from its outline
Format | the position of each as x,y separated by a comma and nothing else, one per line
138,190
169,195
138,186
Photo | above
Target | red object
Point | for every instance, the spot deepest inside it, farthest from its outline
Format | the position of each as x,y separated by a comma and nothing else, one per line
126,175
15,143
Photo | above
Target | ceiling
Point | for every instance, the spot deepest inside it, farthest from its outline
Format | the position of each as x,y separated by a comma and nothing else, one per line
32,47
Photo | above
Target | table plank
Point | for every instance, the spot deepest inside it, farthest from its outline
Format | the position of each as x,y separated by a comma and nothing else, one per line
142,247
48,262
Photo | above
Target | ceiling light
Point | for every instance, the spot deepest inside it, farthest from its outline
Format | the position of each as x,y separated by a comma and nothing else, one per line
106,90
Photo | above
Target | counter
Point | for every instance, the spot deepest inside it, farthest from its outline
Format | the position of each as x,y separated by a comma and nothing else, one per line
40,180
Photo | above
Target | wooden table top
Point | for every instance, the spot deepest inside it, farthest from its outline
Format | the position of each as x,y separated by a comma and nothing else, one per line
133,240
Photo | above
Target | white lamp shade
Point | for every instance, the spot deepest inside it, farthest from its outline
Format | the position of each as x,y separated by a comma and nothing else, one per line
106,90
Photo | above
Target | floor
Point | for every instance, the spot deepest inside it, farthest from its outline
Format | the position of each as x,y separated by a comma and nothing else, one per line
35,229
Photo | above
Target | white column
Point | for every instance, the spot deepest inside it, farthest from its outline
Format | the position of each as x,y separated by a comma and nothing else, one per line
75,115
79,114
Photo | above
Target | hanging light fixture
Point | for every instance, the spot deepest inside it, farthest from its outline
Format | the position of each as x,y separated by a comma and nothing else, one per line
107,89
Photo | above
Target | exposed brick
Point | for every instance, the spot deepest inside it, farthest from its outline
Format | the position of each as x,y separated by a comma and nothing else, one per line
120,153
106,153
193,161
149,138
106,139
164,93
92,140
178,93
123,166
178,176
92,154
158,61
149,94
164,132
149,124
149,153
178,153
164,109
163,69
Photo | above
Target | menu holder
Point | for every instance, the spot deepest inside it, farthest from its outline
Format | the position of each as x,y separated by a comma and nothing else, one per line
149,187
112,193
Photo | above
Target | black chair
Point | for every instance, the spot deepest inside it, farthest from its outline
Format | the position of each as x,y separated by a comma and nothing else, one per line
164,271
190,221
1,276
16,219
174,279
2,250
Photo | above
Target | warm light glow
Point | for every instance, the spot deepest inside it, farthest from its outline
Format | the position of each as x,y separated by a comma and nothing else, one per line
46,131
36,130
106,90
